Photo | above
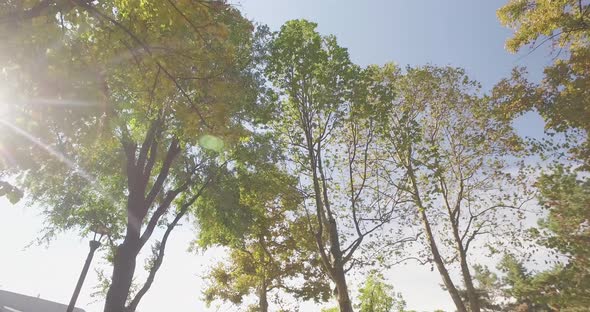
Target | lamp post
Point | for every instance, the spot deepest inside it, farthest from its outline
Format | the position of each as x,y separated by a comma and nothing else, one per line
94,245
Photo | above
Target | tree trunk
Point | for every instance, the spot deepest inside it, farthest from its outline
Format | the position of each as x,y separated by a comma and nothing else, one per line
139,200
440,265
462,250
338,273
336,269
93,246
344,302
468,280
444,273
123,270
262,298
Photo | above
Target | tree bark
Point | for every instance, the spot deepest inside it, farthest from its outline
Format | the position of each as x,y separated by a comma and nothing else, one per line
94,245
440,265
472,296
139,170
123,270
160,256
468,280
344,302
338,273
262,297
336,268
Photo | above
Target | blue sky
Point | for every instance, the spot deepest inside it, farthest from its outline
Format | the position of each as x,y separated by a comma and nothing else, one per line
462,33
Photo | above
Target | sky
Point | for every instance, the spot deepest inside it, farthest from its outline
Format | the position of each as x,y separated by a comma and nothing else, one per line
462,33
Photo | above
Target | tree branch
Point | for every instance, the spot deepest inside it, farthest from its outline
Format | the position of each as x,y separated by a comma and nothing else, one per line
173,151
161,248
147,49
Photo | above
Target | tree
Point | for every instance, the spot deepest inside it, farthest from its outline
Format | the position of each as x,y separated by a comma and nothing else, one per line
268,254
437,130
566,286
378,296
488,288
562,100
562,97
524,290
126,107
329,139
520,284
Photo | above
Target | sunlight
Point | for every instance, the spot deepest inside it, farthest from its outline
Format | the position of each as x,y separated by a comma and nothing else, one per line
94,183
63,102
6,160
321,164
49,150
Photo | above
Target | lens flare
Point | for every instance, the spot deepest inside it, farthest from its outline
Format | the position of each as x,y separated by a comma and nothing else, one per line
211,142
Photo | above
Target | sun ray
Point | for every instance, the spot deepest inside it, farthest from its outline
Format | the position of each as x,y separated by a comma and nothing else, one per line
93,182
59,156
63,102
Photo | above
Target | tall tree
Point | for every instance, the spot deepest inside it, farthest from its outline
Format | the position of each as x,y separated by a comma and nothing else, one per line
119,111
562,287
562,99
519,284
329,141
436,128
269,252
563,95
564,229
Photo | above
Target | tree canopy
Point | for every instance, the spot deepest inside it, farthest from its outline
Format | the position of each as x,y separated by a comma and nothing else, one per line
124,118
